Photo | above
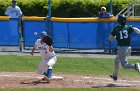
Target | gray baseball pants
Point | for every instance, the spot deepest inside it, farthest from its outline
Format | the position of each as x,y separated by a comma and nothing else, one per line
123,53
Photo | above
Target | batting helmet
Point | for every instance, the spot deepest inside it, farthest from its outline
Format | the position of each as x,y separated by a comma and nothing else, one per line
121,19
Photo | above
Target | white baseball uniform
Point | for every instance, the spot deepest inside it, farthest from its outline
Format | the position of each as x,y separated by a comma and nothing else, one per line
13,12
48,58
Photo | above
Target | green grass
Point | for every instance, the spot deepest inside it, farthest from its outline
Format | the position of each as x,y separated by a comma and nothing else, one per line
91,66
70,89
18,63
65,65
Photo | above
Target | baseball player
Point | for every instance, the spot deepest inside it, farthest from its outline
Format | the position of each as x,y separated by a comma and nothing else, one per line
122,33
13,11
48,57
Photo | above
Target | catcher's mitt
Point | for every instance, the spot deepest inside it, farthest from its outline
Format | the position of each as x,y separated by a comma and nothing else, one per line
48,40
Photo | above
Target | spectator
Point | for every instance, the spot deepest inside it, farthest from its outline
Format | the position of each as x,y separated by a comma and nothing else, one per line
13,11
104,14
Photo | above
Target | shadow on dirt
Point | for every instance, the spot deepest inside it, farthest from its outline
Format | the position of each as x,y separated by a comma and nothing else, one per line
109,86
33,82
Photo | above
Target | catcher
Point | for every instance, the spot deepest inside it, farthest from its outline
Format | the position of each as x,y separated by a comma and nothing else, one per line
44,45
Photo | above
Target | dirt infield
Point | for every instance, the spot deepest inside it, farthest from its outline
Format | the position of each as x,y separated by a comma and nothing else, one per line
31,80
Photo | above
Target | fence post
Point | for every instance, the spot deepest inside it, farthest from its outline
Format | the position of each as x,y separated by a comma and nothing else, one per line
48,19
111,7
49,9
20,31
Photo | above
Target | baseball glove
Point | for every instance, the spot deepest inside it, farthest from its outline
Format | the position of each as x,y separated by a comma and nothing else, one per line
48,40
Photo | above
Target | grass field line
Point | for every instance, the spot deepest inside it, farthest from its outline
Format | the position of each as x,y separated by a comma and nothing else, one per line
104,81
107,79
23,76
36,77
107,82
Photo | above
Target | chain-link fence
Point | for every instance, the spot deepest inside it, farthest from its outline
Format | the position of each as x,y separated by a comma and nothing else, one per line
132,9
136,10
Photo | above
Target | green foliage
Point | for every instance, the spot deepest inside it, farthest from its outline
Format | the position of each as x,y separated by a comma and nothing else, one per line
3,5
28,7
65,8
33,7
73,8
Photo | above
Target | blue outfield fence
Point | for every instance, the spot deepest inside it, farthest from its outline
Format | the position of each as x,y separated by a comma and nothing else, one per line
9,34
60,35
82,35
135,41
89,35
29,28
74,35
86,33
93,35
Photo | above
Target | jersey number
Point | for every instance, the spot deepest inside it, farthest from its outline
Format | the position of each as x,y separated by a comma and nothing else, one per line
124,34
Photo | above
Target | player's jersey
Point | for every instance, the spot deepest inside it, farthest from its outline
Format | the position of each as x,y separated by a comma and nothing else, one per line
44,50
13,12
123,34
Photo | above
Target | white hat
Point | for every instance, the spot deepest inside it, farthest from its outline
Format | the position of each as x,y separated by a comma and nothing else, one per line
103,8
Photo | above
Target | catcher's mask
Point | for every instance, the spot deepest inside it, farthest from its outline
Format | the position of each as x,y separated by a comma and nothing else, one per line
121,19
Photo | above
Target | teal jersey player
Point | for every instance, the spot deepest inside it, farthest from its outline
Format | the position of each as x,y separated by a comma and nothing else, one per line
122,33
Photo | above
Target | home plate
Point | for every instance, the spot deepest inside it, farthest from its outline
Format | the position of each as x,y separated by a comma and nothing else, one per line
57,78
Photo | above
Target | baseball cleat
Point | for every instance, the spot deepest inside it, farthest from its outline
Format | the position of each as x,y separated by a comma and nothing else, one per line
43,79
137,67
46,79
113,77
